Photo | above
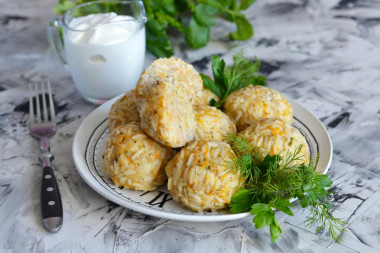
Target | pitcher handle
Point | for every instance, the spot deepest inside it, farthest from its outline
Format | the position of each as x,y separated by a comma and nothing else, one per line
55,36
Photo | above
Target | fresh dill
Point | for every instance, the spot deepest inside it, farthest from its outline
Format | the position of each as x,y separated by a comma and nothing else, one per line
270,183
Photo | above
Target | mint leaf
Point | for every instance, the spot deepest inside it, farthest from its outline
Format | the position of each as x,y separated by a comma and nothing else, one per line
169,20
197,35
63,6
205,14
181,5
168,6
244,29
157,40
244,4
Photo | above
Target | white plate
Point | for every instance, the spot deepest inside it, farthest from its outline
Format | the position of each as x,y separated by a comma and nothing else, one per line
90,140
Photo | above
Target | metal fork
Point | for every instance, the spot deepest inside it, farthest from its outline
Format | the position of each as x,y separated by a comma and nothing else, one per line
41,126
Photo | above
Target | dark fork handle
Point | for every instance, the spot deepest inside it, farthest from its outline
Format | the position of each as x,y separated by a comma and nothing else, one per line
51,204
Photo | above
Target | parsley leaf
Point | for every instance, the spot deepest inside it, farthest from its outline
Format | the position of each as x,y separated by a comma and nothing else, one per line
209,84
275,230
259,207
241,201
283,206
263,218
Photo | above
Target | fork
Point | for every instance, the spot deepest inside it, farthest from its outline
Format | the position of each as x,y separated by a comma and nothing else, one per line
41,127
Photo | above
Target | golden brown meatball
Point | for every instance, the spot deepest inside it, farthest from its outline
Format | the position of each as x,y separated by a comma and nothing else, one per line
171,70
167,115
212,124
135,161
253,103
199,176
276,137
123,111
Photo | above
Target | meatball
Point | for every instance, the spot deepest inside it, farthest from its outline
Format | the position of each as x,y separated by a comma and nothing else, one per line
212,124
250,104
276,137
167,114
135,161
123,111
171,70
199,176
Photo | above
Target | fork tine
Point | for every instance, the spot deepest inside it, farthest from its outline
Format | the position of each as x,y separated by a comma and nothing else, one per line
31,110
51,102
44,101
37,103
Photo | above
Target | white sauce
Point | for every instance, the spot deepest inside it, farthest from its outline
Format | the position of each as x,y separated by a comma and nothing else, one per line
105,54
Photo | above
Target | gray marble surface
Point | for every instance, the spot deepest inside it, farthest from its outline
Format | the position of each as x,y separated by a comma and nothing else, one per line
325,54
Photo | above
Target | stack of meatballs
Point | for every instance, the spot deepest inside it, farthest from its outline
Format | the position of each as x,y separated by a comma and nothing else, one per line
165,131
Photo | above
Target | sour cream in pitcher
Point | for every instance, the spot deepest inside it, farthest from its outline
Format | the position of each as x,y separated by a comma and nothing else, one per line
105,50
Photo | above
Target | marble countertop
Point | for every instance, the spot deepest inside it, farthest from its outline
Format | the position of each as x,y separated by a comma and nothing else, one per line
324,54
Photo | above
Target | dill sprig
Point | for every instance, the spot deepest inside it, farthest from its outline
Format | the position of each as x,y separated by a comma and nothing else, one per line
270,183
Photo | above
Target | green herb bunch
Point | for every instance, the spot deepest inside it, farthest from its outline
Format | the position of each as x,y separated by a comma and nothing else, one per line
272,181
200,16
232,78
